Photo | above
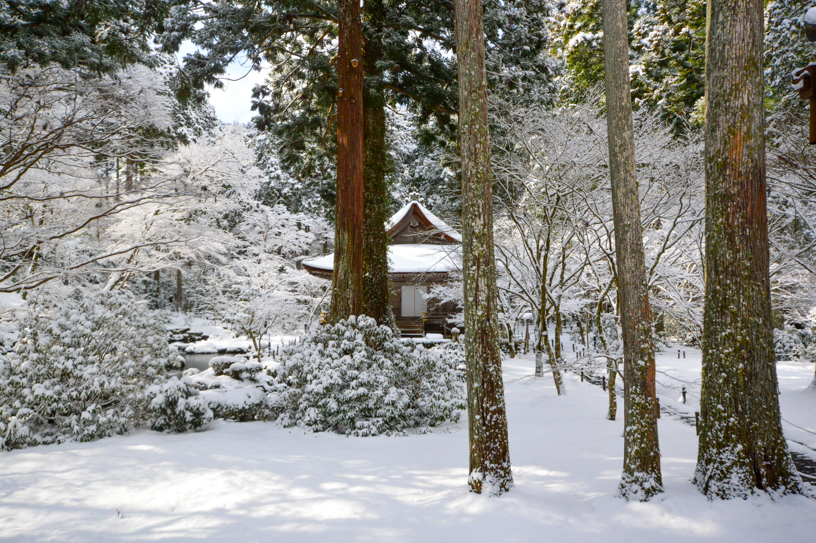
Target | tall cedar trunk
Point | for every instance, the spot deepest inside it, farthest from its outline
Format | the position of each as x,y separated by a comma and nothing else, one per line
376,282
487,418
347,281
741,443
641,477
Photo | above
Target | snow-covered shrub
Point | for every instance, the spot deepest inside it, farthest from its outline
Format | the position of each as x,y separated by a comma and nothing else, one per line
176,406
220,364
357,378
79,368
787,344
242,404
235,367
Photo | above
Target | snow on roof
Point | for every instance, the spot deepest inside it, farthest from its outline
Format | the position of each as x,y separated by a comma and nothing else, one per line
438,223
407,258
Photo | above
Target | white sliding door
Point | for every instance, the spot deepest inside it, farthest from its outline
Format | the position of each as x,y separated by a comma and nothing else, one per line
413,304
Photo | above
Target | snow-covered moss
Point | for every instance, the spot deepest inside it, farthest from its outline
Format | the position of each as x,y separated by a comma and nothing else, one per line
357,378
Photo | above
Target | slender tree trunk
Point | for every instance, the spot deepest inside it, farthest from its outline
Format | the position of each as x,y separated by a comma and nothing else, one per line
347,281
157,279
487,419
641,477
130,169
612,372
551,357
741,443
178,291
377,206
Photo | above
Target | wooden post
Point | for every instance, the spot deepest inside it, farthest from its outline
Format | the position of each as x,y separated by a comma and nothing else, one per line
803,82
812,119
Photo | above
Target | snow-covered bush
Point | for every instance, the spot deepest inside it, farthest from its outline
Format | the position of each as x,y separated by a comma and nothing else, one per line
79,368
237,368
176,406
787,344
357,378
242,404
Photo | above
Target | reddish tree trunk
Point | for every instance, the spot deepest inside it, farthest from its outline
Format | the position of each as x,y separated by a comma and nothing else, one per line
742,447
347,283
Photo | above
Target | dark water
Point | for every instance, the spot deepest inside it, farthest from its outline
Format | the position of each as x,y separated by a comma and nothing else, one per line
198,361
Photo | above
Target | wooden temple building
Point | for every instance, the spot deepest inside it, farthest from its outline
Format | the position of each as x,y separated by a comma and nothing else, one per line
424,251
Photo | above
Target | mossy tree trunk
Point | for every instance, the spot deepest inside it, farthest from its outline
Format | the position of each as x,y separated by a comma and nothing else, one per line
487,418
377,205
347,281
741,446
641,477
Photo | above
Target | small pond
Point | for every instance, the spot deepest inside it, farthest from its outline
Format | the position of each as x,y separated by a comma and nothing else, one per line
198,361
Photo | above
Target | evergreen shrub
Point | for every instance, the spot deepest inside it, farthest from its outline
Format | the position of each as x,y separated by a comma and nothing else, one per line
176,406
358,378
78,369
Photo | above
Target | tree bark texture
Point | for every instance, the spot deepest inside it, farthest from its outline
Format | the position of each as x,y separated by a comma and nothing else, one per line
641,477
377,207
347,281
741,446
487,419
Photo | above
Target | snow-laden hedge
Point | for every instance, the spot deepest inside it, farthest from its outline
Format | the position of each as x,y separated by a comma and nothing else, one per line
80,369
357,378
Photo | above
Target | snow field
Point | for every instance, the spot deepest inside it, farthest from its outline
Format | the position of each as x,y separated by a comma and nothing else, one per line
257,482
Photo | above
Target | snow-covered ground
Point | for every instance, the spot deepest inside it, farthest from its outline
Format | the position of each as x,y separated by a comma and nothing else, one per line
258,482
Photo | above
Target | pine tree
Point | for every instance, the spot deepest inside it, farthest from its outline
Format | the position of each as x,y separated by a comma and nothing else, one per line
487,418
347,282
741,445
641,459
100,36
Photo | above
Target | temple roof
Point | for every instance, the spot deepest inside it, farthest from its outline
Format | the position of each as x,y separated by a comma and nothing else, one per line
440,252
418,219
415,258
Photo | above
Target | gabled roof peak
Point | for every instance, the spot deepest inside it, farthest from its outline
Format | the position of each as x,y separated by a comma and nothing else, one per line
434,225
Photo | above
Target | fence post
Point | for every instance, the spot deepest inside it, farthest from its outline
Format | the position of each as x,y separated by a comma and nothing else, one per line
582,376
684,394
